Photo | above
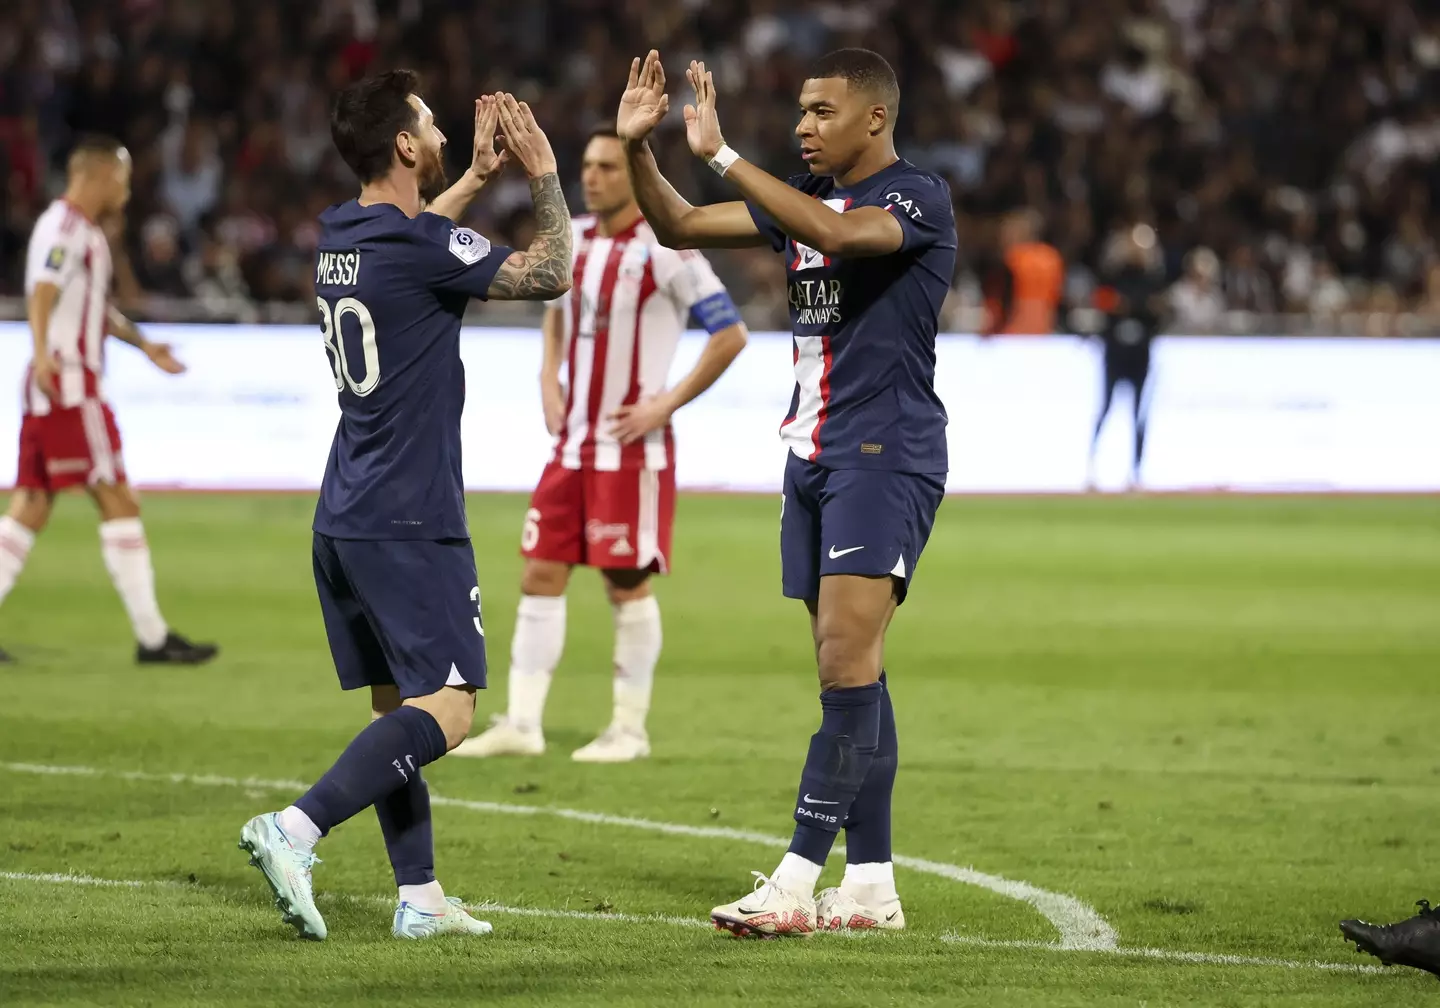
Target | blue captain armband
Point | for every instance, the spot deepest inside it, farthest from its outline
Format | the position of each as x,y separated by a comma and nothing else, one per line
716,312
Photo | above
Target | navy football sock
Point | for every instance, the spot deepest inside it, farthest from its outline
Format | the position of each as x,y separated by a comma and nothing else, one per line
382,758
867,831
839,757
404,816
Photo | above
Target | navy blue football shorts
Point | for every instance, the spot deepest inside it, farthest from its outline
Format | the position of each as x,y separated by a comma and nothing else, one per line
869,522
402,612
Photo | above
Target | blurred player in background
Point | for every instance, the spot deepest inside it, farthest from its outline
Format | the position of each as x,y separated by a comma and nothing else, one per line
607,496
68,437
391,552
869,243
1023,291
1133,303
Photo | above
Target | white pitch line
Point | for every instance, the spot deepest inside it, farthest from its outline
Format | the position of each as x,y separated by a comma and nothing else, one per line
486,907
1167,955
1080,927
1172,955
82,880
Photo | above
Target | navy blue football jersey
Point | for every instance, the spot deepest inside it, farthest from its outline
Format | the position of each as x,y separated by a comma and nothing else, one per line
864,329
392,291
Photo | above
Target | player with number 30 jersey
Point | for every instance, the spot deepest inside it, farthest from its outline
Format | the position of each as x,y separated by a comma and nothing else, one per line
391,551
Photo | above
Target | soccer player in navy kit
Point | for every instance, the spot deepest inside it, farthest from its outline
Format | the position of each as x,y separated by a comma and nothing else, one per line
392,557
869,243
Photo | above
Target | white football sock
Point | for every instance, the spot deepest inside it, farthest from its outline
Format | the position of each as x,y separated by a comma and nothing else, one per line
534,653
127,558
870,882
299,827
428,897
797,875
15,543
637,649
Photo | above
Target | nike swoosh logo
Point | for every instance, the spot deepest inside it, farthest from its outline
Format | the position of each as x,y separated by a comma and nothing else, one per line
892,916
815,801
836,554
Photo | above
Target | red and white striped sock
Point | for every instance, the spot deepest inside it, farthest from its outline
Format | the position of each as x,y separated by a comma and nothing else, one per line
127,558
15,543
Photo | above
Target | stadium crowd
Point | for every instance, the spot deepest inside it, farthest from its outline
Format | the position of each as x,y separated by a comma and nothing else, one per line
1286,152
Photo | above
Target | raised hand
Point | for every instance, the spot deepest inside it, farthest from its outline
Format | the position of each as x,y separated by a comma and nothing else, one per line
523,137
644,102
485,161
702,123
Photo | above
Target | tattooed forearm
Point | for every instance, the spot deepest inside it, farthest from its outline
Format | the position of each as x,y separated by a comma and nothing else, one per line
543,270
123,329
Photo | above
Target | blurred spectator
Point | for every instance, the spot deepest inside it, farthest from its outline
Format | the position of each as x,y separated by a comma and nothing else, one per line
213,276
1135,82
1247,287
1023,290
159,267
1297,139
193,171
1430,303
1328,295
1196,300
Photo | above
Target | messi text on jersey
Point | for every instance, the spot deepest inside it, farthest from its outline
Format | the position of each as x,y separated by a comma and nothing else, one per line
337,269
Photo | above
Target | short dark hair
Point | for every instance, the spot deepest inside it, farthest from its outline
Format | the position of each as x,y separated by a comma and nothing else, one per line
603,131
366,117
863,70
92,146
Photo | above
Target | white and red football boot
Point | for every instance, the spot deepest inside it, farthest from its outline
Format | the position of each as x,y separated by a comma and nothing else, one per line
838,910
768,912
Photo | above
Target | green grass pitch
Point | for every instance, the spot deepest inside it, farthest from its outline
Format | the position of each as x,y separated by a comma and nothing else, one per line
1209,720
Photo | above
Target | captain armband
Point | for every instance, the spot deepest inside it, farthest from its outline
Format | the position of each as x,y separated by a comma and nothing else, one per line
716,312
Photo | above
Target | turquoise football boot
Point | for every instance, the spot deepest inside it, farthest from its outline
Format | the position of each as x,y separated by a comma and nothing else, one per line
287,869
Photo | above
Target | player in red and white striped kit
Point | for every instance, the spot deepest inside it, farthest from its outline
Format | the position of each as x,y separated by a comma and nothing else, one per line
607,496
68,436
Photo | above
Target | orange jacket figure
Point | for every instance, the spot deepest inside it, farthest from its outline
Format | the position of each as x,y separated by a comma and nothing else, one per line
1022,296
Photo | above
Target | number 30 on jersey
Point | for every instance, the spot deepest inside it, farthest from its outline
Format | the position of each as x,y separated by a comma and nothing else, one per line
330,324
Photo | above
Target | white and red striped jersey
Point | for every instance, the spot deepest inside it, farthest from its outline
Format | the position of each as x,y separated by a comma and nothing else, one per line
624,314
69,250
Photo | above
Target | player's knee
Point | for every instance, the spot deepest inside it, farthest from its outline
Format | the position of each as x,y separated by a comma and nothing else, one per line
31,508
623,586
545,578
845,656
458,716
453,708
115,501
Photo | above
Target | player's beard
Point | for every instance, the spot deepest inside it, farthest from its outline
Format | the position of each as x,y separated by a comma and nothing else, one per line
432,176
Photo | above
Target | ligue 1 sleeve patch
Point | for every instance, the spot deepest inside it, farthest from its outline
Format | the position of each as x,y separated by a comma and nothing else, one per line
56,258
468,246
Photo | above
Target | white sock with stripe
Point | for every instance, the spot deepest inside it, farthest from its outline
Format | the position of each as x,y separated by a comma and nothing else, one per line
535,651
429,897
637,648
15,543
127,558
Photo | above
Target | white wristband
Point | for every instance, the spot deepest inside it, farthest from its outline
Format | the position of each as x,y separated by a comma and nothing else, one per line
723,159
